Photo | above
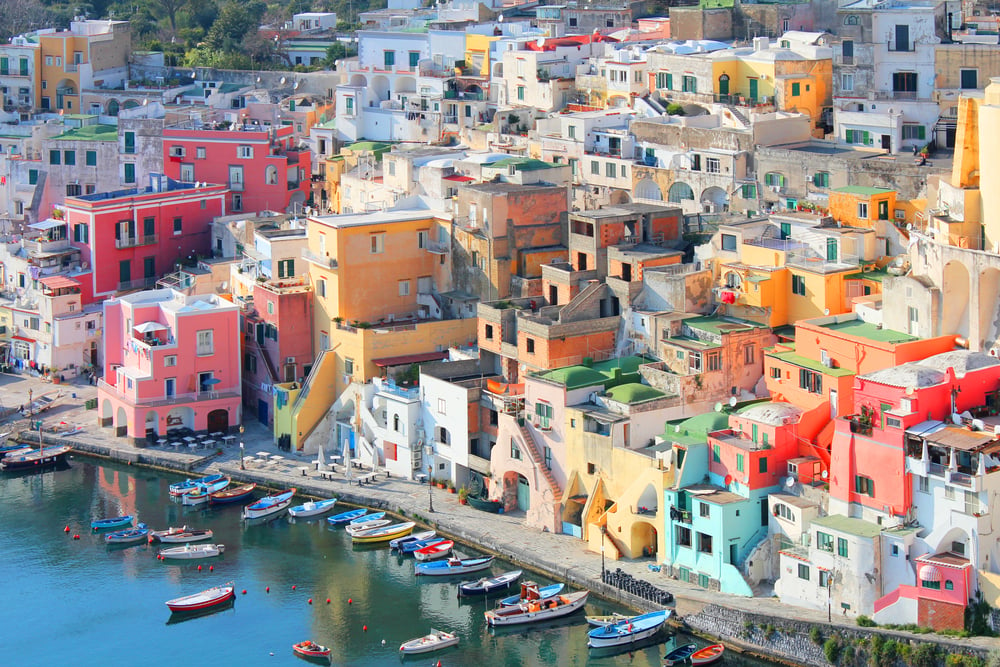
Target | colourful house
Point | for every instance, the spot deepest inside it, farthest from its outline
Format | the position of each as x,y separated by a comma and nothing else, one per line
134,237
89,54
860,206
939,598
171,361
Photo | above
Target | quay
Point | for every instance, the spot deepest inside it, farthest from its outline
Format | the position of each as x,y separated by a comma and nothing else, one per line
562,557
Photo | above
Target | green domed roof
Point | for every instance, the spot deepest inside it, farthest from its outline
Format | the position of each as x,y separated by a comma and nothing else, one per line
634,392
574,377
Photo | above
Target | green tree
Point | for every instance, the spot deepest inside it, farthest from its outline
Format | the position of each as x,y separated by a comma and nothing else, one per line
236,20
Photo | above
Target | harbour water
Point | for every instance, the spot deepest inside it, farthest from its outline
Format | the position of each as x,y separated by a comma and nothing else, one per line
79,602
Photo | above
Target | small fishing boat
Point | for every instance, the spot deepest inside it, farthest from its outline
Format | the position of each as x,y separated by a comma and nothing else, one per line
312,508
35,459
708,655
488,585
187,536
345,517
232,494
443,568
364,518
208,598
157,535
41,404
192,551
435,550
413,547
383,534
15,452
8,447
434,641
269,505
180,488
368,525
492,506
397,544
113,522
530,591
628,630
137,534
537,610
201,494
601,621
311,650
679,655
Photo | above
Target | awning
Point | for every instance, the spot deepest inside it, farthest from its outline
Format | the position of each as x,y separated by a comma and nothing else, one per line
147,327
407,359
22,338
58,282
960,438
923,429
211,381
47,224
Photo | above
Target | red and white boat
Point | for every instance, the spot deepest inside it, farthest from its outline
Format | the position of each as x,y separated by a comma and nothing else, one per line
206,599
312,650
434,551
708,655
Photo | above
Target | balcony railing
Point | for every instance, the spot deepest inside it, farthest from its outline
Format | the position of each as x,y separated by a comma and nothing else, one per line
174,399
42,246
138,283
319,260
135,241
894,46
236,186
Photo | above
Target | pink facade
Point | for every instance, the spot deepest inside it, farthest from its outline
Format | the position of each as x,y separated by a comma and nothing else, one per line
766,431
132,238
939,598
261,167
171,361
277,341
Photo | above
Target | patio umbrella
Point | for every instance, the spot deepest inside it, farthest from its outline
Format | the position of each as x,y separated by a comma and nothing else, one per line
149,327
211,381
320,459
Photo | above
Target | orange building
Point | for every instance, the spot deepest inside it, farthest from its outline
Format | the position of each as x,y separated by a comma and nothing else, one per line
88,55
860,206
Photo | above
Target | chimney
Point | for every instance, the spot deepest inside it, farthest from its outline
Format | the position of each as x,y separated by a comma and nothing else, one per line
761,43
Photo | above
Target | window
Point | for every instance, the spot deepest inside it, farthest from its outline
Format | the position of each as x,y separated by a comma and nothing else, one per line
286,268
529,344
237,204
847,83
32,177
90,158
923,485
728,242
129,172
713,165
811,381
716,454
748,191
913,131
774,179
130,142
694,362
749,353
842,547
205,342
245,152
81,233
824,541
404,288
250,364
803,571
862,137
821,179
704,510
236,178
762,461
689,84
377,243
54,157
178,225
609,169
933,585
349,101
683,536
864,485
775,373
414,58
321,288
664,80
170,360
696,162
515,453
904,82
520,93
69,158
595,167
863,210
389,59
442,406
489,332
796,89
4,66
740,462
799,285
704,543
969,79
199,153
713,361
348,366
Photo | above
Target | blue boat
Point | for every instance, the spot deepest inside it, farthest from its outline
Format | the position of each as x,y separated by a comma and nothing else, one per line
415,537
410,547
365,518
313,508
444,568
345,517
188,485
679,655
628,630
138,534
113,522
544,593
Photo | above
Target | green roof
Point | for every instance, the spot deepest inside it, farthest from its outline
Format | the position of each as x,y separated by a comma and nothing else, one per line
375,146
91,133
878,275
230,87
862,190
694,430
634,392
574,377
522,163
719,325
327,125
626,364
811,364
845,524
863,329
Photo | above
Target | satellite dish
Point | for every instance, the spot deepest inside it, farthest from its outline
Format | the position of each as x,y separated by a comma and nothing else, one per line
732,401
826,311
500,19
825,474
540,42
909,226
910,390
297,84
282,81
718,407
790,482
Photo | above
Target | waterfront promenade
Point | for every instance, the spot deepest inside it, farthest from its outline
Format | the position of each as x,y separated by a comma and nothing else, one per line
562,557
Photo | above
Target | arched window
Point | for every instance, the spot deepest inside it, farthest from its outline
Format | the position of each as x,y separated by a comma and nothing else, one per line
851,19
271,175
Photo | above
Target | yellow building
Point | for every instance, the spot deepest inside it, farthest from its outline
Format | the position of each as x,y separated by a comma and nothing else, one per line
89,54
477,53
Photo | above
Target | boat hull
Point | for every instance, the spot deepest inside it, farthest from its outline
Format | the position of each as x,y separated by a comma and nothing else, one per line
269,506
46,458
233,494
544,593
534,613
181,488
207,599
708,655
432,642
446,569
434,551
116,522
187,536
397,544
627,631
490,586
345,517
313,508
383,534
192,553
679,655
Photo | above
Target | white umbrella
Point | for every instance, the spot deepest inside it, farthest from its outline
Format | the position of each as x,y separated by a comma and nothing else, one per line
147,327
320,459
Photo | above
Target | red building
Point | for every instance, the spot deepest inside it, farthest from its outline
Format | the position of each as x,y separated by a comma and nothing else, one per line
261,166
132,238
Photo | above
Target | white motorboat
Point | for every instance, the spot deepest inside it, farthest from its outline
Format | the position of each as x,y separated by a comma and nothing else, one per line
192,551
537,610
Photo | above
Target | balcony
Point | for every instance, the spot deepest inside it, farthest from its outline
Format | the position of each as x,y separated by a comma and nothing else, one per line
136,241
319,260
236,186
860,425
138,283
163,400
683,516
436,248
43,246
896,47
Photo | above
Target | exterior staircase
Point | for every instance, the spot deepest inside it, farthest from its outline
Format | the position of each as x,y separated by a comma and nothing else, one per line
738,115
529,442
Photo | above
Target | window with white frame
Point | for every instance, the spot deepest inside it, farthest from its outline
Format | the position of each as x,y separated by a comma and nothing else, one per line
170,360
377,243
404,288
245,152
442,406
205,342
713,165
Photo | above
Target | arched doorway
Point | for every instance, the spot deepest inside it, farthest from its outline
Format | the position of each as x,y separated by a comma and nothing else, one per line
180,417
523,493
715,200
643,539
107,414
724,84
619,197
679,192
130,104
218,421
989,300
152,424
955,318
113,108
121,423
647,189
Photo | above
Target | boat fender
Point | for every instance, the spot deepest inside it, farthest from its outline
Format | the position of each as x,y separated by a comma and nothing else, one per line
66,529
211,568
328,600
76,537
244,591
293,587
383,642
199,568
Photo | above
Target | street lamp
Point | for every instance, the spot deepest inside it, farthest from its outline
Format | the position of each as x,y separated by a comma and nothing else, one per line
430,489
29,403
242,467
604,530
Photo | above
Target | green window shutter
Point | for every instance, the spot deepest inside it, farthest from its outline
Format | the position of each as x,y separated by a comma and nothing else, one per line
32,177
54,157
795,90
4,66
414,58
670,81
91,158
849,136
865,136
389,59
921,132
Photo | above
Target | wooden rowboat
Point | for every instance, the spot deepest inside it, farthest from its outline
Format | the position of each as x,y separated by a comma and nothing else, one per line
208,598
708,655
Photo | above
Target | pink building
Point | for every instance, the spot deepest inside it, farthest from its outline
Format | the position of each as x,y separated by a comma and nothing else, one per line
171,362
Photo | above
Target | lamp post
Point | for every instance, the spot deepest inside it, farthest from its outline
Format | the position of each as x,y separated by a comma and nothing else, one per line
30,392
430,489
604,530
242,467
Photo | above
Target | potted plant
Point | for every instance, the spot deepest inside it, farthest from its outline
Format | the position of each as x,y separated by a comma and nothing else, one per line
463,496
440,484
451,486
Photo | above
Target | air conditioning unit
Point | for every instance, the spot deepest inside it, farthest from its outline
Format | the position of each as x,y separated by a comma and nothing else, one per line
177,151
428,450
289,360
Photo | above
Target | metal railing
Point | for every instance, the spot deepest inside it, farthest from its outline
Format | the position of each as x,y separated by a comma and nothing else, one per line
135,241
138,283
320,260
173,399
895,47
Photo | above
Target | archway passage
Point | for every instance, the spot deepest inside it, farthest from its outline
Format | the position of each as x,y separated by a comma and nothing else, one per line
107,414
218,421
152,424
679,192
619,197
180,417
956,288
715,199
647,189
121,423
989,302
643,539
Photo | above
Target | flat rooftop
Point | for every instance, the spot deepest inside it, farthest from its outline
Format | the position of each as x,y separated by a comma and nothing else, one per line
871,332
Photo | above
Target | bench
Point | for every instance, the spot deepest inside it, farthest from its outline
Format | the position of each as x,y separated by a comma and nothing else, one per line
367,478
327,474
